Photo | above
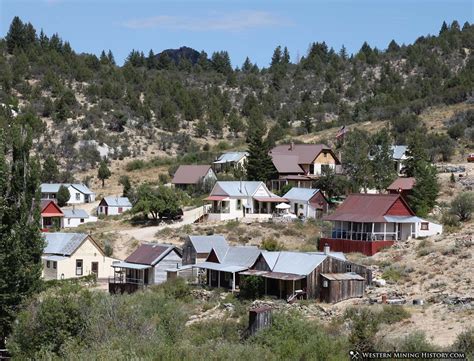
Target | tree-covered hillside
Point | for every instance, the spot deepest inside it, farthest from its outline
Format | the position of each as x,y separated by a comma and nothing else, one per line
173,103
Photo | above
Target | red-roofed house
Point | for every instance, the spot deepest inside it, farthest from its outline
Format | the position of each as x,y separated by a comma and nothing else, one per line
146,266
366,223
403,186
194,175
299,164
51,215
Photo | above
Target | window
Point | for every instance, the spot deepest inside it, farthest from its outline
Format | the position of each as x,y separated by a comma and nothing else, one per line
55,264
325,283
311,169
78,196
325,155
301,206
79,270
425,226
348,267
239,204
82,220
120,210
48,264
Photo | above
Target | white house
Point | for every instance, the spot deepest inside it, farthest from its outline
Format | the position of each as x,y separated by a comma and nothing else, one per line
239,199
230,160
306,202
79,193
146,266
113,205
425,228
71,255
399,156
75,217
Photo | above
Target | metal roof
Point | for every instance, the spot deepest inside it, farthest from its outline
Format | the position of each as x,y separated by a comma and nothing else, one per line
366,208
115,201
220,267
273,275
190,174
123,264
306,153
236,188
231,157
150,253
75,213
285,163
343,276
404,184
204,244
240,256
398,151
300,194
63,243
54,187
54,258
403,219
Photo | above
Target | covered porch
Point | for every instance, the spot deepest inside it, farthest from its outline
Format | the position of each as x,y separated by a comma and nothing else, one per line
288,286
220,275
129,277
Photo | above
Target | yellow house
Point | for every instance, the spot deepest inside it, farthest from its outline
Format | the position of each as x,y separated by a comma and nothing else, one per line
70,255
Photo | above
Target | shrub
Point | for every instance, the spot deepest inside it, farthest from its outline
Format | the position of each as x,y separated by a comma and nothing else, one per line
271,244
251,287
391,314
465,343
463,205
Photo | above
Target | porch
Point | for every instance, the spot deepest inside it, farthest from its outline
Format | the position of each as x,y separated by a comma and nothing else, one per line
220,275
129,277
372,231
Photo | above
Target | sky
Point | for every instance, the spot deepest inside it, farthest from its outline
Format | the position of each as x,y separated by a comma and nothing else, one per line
243,28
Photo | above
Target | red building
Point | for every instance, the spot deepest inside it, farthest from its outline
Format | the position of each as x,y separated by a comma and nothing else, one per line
366,223
403,186
51,215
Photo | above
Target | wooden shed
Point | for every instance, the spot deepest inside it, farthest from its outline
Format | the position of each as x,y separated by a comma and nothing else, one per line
341,286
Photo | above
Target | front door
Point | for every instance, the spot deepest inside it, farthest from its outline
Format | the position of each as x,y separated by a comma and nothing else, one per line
95,268
145,277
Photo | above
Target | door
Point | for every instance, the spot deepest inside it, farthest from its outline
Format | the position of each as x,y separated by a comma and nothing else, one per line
145,277
95,268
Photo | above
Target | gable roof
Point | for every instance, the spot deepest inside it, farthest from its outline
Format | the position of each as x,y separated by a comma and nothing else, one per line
285,163
405,184
115,201
242,256
236,188
190,174
204,244
306,153
54,187
300,194
151,253
48,204
230,157
299,263
75,213
65,243
366,208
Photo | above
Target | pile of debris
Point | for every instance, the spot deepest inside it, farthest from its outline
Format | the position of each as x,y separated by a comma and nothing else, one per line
201,294
310,310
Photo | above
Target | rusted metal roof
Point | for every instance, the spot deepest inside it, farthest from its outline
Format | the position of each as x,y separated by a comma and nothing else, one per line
150,253
404,184
190,174
342,276
216,198
365,208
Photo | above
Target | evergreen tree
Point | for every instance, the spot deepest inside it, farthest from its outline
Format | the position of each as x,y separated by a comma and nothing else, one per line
200,128
343,53
382,164
247,65
16,35
417,152
50,173
424,194
276,57
235,123
259,163
444,28
104,172
111,58
357,166
127,186
63,196
21,243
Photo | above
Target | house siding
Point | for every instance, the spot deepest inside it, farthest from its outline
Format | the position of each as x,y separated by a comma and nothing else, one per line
171,260
399,208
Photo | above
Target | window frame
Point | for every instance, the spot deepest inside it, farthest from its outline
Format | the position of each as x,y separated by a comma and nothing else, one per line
79,268
425,226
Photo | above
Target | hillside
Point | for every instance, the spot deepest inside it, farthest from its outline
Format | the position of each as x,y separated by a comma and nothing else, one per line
181,101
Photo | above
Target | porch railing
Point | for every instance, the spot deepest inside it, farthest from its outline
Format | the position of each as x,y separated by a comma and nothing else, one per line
361,236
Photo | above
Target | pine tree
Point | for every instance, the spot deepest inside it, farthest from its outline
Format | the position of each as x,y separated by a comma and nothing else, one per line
424,194
50,173
247,65
63,196
343,53
111,58
21,244
355,158
444,28
104,172
276,57
259,163
416,153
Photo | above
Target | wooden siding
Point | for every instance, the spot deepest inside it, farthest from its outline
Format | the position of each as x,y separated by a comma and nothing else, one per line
369,248
170,261
325,157
261,264
399,208
318,201
341,290
189,253
333,265
212,257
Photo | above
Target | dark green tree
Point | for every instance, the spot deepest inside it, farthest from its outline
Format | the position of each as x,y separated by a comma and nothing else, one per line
104,172
16,35
50,172
383,169
259,163
63,196
21,243
127,186
355,152
331,184
424,194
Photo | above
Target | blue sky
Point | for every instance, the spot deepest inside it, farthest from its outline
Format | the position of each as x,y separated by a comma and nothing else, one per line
252,28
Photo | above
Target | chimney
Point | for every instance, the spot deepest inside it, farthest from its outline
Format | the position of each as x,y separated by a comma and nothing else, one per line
327,249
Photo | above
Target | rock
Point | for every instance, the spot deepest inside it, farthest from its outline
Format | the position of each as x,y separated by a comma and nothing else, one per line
379,282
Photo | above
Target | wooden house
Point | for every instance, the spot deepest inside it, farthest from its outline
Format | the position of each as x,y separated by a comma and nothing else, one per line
402,186
198,176
229,161
307,202
366,223
79,193
196,249
51,215
113,205
299,164
144,267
